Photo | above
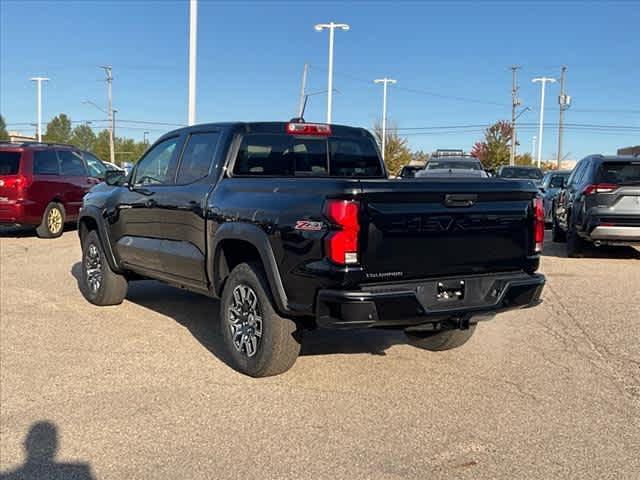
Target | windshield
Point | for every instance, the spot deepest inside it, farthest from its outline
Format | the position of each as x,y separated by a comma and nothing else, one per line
620,173
515,172
9,163
268,154
454,165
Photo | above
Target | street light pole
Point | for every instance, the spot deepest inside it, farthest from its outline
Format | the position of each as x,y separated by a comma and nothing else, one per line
385,81
39,81
193,39
109,79
544,81
331,27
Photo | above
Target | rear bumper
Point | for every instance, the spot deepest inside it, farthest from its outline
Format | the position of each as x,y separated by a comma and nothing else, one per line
402,305
616,234
18,212
605,227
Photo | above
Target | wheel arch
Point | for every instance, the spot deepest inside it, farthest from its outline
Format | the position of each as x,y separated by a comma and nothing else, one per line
89,220
236,243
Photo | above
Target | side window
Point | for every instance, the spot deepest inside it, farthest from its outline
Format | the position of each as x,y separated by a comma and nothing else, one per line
197,157
154,167
45,162
71,164
577,171
584,172
96,167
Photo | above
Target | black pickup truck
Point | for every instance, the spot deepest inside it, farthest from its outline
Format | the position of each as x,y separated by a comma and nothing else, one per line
296,226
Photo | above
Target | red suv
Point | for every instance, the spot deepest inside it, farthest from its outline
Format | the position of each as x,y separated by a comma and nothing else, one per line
43,184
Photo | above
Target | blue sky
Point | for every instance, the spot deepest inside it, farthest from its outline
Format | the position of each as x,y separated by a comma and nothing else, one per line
251,54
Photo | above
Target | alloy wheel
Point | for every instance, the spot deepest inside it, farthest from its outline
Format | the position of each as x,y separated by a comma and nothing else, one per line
245,320
54,220
93,268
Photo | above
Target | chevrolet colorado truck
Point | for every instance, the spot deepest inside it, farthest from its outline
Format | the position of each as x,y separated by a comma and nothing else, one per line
295,226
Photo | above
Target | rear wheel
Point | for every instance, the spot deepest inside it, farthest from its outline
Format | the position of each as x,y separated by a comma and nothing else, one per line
52,224
575,244
99,284
439,341
259,342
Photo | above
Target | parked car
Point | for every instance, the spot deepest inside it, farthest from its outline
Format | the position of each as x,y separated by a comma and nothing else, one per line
520,173
453,166
296,226
409,171
551,184
600,204
43,184
114,168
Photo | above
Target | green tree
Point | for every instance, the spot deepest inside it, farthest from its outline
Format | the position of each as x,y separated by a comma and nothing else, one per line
58,130
83,137
397,153
494,151
4,135
101,146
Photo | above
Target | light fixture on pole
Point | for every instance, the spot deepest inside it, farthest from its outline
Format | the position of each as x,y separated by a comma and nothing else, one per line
193,40
543,81
331,27
39,81
385,81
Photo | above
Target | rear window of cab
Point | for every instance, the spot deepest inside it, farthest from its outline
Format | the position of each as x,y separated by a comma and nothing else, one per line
278,155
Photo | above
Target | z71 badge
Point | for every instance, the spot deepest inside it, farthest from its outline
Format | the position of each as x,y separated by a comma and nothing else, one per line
309,226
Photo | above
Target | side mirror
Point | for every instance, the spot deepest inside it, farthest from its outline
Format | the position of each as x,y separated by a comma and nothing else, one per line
114,177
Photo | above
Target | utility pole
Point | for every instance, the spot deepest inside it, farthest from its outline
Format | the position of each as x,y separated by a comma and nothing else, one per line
564,101
113,126
515,102
385,81
303,89
331,27
193,44
544,81
39,81
533,146
109,79
145,138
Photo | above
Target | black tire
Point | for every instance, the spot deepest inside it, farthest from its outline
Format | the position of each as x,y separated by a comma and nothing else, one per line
439,341
277,346
557,234
53,220
575,244
111,288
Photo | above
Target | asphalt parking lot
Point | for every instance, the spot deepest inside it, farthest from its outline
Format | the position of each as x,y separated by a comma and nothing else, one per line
141,390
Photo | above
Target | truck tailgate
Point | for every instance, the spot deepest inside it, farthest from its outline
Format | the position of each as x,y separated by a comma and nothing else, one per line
426,228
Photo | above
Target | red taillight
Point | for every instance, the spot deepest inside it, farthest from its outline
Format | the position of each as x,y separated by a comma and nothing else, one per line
14,182
538,224
315,129
341,246
599,188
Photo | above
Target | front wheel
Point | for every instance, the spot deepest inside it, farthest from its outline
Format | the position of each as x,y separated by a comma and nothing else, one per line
99,284
439,341
260,343
557,234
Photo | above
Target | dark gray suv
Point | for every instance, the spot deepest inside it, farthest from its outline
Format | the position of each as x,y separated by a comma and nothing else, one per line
600,204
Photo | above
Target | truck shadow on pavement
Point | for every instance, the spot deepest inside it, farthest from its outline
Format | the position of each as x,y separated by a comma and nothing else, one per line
200,315
41,447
